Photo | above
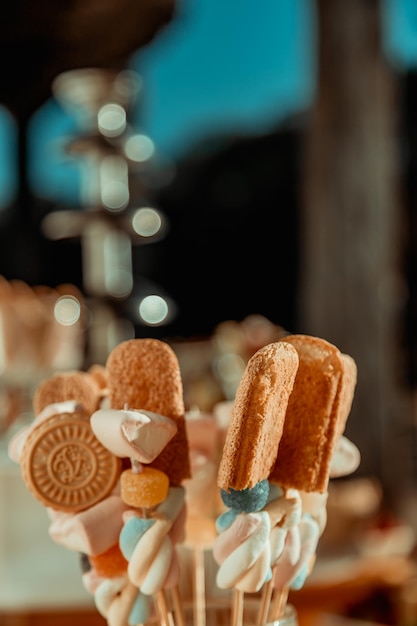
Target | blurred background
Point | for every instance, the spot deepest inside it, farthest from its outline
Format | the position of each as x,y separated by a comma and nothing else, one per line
215,175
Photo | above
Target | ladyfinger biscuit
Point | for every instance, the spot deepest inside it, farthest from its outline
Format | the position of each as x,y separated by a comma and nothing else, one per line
312,420
77,385
347,391
257,417
145,374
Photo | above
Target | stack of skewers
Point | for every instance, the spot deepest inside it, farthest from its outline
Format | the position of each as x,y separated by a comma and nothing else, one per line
136,534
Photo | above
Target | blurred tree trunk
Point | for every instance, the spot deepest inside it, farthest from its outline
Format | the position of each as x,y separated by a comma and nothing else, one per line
352,286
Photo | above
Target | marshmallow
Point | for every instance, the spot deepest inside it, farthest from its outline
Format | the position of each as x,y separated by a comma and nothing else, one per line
92,531
140,435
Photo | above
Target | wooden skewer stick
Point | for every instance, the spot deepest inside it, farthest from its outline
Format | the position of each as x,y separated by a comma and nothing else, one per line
163,610
265,603
279,603
237,608
178,608
199,596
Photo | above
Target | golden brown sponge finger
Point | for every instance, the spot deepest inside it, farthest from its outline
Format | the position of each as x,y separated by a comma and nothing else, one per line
346,391
145,374
77,385
257,417
312,419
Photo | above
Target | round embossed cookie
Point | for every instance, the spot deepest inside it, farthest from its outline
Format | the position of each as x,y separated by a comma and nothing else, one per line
65,466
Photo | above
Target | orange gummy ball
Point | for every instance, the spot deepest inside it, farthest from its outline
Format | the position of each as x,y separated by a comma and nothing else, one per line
146,488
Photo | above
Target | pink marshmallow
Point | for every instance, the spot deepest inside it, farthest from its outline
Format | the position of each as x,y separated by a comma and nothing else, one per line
229,540
140,435
92,531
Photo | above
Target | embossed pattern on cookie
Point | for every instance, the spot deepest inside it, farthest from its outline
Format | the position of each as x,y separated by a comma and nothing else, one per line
65,466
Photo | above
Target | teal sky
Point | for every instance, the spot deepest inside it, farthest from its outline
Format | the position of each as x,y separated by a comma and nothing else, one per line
223,67
218,67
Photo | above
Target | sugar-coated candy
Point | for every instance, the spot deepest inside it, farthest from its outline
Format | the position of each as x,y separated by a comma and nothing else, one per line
110,563
247,500
145,488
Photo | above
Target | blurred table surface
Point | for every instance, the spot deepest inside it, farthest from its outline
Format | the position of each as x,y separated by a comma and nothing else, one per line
340,584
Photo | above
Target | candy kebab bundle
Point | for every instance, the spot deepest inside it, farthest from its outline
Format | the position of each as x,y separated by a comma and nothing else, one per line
106,455
311,445
145,423
242,548
308,441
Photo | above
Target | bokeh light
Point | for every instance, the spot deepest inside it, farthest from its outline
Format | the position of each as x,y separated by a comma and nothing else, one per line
67,310
147,222
154,310
111,120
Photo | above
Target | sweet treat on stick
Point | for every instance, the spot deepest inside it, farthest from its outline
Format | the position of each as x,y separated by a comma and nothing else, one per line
133,433
257,417
145,421
242,550
92,531
144,489
128,606
105,590
311,444
147,544
63,392
77,385
65,467
246,547
62,462
345,459
313,418
109,564
144,374
346,392
252,442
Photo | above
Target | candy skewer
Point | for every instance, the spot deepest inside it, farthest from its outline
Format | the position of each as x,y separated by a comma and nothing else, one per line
242,548
144,374
315,420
